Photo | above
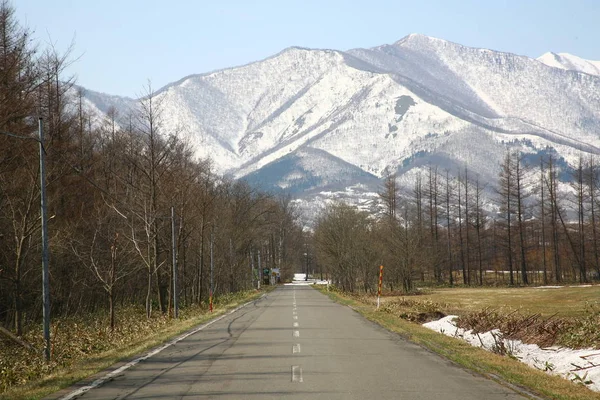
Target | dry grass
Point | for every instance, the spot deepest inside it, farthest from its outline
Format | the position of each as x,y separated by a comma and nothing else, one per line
529,328
562,302
566,316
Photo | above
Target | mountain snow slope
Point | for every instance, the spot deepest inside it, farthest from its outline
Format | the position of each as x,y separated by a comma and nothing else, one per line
317,122
570,62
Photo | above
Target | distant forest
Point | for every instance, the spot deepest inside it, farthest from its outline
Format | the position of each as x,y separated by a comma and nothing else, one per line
443,230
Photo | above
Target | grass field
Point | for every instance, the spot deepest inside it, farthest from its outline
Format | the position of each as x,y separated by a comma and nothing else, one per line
568,301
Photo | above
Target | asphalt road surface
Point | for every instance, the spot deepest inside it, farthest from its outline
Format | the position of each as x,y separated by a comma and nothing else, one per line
296,343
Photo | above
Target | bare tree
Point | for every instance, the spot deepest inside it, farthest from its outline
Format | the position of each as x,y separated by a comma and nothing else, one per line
505,191
591,178
448,201
578,184
463,261
479,225
551,184
543,220
520,195
389,195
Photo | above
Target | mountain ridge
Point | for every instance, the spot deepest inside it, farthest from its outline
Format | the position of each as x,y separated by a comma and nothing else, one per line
570,62
377,108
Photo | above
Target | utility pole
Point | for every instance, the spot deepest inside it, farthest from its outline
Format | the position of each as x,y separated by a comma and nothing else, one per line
306,277
174,251
251,269
259,271
212,267
44,218
231,285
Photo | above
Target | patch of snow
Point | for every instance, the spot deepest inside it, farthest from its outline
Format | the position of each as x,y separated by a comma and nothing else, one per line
579,366
299,277
300,280
548,287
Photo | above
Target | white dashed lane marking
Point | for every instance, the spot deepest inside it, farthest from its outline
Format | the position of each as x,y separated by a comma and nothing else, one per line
296,370
296,373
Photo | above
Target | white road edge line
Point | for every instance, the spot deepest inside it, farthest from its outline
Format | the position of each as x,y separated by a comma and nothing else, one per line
296,333
296,348
296,325
151,353
295,317
296,373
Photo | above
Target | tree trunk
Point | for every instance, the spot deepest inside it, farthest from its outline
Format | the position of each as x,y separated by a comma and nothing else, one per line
460,237
519,193
17,288
149,293
543,220
111,308
467,247
554,221
450,268
592,195
509,232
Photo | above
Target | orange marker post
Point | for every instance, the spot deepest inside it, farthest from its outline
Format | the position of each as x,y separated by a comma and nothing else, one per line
380,282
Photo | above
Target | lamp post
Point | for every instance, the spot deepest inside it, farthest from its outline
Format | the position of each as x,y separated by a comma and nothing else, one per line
44,219
306,254
212,267
174,251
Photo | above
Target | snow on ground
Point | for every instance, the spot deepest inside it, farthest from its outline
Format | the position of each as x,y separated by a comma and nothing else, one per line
300,280
299,276
559,287
580,366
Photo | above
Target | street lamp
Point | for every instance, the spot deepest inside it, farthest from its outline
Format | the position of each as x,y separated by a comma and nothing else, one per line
174,251
44,219
306,254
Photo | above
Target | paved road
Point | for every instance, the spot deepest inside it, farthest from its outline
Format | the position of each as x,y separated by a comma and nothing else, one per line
296,343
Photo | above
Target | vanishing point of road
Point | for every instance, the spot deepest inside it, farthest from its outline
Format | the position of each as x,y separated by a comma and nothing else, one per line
296,343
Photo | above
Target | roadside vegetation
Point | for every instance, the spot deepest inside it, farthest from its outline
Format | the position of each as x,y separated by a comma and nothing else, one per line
568,317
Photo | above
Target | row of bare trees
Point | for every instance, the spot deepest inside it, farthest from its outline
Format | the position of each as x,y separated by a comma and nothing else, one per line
528,227
111,185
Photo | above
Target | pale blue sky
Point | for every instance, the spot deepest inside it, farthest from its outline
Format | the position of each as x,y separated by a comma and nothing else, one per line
123,43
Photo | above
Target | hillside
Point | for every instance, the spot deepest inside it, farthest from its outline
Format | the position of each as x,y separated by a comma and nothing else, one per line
316,122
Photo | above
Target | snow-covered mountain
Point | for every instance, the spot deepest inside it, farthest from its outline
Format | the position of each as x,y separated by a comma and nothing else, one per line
571,62
326,123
